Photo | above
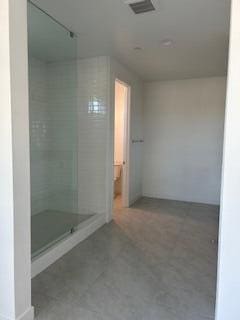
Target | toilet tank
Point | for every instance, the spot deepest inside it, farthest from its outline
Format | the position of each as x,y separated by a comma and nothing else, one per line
117,171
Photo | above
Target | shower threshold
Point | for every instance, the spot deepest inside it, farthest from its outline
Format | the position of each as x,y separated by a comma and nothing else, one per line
49,227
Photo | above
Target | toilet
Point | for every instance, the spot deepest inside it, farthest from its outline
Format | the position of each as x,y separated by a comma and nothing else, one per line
117,171
117,179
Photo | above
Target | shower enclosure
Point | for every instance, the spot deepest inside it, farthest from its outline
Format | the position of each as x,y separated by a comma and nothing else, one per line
53,117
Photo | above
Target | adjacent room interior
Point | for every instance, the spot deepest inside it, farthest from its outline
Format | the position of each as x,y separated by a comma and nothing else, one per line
126,137
121,150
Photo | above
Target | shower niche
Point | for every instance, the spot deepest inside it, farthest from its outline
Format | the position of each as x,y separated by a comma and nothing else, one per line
53,125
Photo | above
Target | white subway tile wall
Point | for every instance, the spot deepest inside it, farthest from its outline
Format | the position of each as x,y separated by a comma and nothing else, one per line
68,129
39,135
62,109
93,111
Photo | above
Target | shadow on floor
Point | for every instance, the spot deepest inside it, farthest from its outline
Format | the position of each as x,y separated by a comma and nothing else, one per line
155,261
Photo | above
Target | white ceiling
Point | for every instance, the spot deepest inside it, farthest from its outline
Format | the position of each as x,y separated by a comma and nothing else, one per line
198,28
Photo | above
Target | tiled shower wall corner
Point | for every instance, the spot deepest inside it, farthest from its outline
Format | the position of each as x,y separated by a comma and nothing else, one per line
93,112
68,168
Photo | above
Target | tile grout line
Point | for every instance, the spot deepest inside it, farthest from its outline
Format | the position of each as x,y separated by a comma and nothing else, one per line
179,233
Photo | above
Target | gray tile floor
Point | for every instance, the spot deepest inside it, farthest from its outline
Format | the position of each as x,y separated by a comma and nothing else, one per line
48,226
155,261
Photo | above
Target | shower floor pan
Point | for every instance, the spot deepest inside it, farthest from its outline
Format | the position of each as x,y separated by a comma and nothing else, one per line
50,226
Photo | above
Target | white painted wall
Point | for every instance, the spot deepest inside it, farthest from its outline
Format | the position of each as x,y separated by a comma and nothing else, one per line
15,262
228,288
117,70
183,136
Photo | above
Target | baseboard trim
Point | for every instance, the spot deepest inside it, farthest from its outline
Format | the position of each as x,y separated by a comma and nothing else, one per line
51,255
27,315
139,196
195,201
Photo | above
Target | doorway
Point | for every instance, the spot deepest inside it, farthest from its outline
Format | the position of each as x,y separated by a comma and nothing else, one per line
121,144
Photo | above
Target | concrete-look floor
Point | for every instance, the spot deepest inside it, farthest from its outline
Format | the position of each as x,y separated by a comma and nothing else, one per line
155,261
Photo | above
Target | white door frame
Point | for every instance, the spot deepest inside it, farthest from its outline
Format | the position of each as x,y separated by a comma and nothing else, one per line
126,142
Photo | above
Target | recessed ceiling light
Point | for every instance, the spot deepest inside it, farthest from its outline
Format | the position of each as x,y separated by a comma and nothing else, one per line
137,48
167,42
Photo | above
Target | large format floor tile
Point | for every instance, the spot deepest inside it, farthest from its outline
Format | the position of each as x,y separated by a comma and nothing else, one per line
154,261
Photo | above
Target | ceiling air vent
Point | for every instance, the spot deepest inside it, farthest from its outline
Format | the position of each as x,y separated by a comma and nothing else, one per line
141,6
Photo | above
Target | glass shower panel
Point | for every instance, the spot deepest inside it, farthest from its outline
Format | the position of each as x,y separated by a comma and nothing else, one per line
53,130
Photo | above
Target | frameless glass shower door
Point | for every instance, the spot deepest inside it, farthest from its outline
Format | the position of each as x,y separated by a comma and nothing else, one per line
53,130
